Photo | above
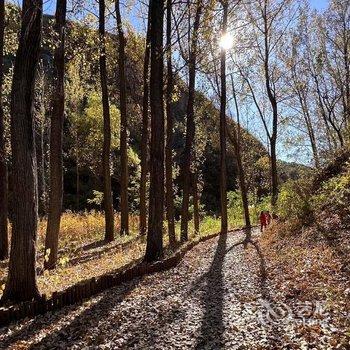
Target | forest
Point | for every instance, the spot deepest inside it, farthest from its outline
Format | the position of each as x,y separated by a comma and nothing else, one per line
175,174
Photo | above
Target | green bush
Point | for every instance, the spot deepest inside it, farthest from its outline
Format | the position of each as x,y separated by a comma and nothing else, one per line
294,200
332,201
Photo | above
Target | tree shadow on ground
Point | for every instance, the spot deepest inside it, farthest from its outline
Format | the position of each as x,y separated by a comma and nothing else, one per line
75,328
79,256
273,316
262,267
212,328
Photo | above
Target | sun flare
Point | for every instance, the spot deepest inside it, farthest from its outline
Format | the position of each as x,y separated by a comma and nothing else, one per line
226,41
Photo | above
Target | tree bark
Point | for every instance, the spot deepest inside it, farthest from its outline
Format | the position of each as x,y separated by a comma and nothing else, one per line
77,173
196,218
169,132
154,248
107,186
223,167
3,161
40,157
56,135
236,139
21,282
190,126
145,136
40,138
124,206
273,103
274,176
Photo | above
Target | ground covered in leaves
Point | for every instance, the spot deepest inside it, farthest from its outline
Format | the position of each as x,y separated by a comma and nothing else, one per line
219,297
83,254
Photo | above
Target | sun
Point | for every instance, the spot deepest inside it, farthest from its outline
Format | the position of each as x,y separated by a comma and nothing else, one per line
226,41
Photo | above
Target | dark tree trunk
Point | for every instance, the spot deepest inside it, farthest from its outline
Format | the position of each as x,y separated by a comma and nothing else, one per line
169,132
274,176
107,186
145,136
3,162
223,167
190,126
154,249
124,206
21,282
56,135
273,102
196,219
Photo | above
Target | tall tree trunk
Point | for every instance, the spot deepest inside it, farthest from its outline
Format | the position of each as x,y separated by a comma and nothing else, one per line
40,156
236,139
3,162
274,176
21,282
196,219
190,126
40,133
223,167
145,136
56,135
273,102
169,132
107,186
346,59
154,248
77,172
124,206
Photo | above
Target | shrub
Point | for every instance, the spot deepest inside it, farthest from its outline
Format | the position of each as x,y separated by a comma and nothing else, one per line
331,203
294,201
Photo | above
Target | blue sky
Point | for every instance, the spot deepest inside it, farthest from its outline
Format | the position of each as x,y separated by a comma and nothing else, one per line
49,5
319,4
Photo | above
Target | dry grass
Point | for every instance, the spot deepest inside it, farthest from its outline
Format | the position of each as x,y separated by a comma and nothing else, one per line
83,254
308,266
78,229
303,266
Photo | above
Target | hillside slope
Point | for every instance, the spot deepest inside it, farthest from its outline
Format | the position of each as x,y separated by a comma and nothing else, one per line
307,252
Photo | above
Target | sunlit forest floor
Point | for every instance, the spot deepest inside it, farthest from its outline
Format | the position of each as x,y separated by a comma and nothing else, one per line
221,296
83,254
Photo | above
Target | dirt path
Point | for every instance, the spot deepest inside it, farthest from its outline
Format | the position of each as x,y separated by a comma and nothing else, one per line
216,298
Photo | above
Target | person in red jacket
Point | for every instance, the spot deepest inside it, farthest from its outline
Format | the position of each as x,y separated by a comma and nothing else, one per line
263,221
268,218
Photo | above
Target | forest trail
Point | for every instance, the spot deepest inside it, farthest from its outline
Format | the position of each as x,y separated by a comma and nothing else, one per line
214,299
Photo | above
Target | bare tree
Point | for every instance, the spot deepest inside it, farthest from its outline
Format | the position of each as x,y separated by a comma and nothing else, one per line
107,187
124,206
145,136
56,161
236,139
223,127
190,125
266,29
169,130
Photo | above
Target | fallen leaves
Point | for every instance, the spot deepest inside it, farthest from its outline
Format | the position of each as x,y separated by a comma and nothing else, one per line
215,298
